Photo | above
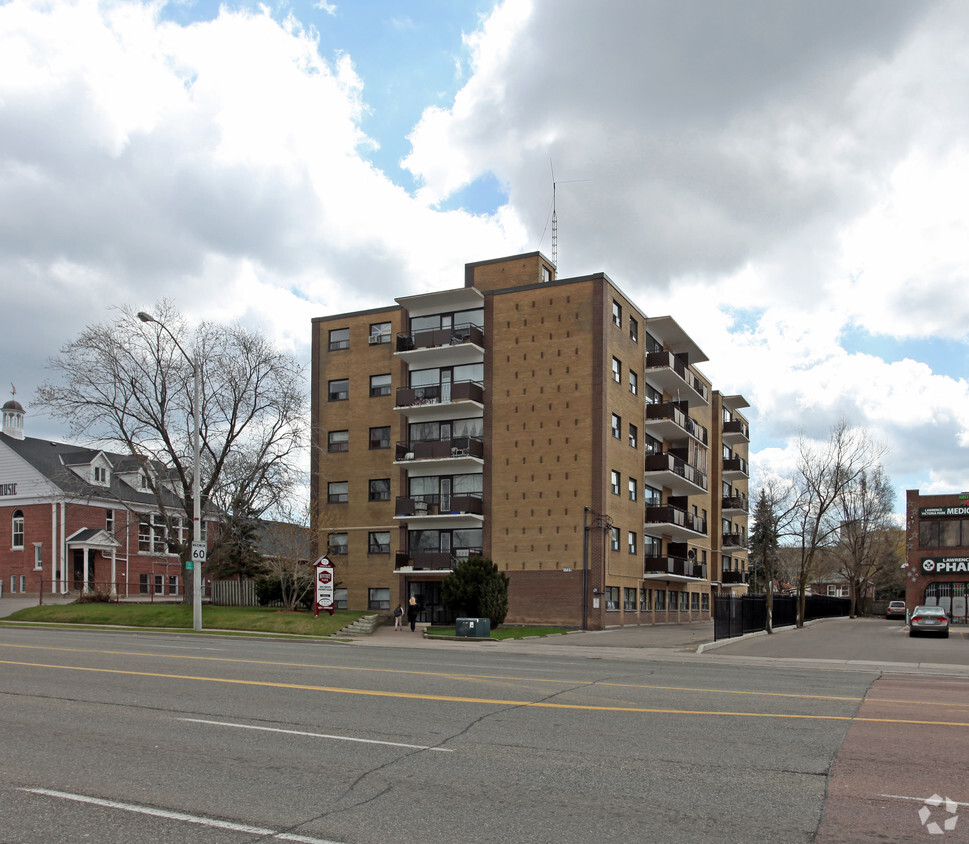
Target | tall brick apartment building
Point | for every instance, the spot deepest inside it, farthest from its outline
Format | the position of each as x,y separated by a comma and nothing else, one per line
548,424
80,519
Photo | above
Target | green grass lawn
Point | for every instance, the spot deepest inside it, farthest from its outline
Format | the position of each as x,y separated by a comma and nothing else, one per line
505,632
179,616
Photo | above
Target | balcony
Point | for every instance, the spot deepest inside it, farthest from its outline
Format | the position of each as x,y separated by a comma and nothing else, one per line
666,421
673,568
732,542
674,522
735,469
673,376
456,448
736,431
435,508
663,469
734,505
457,345
411,399
434,560
733,578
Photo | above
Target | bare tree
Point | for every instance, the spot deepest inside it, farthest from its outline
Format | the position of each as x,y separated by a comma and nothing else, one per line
285,547
825,472
866,540
128,386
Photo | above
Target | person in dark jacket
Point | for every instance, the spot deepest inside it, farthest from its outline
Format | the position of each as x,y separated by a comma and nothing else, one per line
412,610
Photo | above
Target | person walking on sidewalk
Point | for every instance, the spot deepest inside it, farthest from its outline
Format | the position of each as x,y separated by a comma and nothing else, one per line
412,612
398,617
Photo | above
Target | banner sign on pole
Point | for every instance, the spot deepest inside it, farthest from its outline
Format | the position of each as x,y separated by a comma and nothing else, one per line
324,585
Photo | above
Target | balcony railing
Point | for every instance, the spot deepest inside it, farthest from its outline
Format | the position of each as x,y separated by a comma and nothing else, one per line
732,541
735,466
435,559
667,360
675,516
734,502
440,393
668,411
674,565
662,461
736,428
439,505
434,337
438,449
733,577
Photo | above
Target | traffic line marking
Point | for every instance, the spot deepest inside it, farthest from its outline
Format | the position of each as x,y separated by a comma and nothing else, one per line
486,701
179,816
916,799
449,675
316,735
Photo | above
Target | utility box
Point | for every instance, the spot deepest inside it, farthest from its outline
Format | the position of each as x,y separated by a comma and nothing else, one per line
474,628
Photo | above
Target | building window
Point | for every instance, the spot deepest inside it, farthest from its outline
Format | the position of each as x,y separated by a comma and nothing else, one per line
616,313
612,597
339,599
614,482
632,489
173,584
379,333
378,599
143,584
629,598
631,542
339,339
379,385
652,395
338,492
100,475
337,544
616,370
38,555
645,600
705,602
614,538
18,529
633,329
546,274
617,426
380,489
380,437
652,497
339,389
660,600
633,436
109,521
633,383
684,601
378,541
338,441
695,601
159,584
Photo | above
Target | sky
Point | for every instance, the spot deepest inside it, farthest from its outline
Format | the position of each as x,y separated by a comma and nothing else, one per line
788,180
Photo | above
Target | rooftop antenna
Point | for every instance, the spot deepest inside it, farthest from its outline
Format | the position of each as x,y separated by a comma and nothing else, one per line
555,219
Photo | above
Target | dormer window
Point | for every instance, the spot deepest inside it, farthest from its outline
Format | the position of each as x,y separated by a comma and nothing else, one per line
100,475
144,482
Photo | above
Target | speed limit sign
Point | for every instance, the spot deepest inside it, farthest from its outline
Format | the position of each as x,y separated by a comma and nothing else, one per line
198,552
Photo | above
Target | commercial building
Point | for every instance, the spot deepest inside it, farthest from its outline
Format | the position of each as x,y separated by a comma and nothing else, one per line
82,519
937,539
548,424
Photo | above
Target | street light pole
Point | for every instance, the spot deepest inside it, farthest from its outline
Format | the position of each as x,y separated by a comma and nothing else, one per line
196,499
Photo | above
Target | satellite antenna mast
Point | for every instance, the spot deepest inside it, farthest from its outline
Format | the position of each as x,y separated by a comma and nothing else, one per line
555,218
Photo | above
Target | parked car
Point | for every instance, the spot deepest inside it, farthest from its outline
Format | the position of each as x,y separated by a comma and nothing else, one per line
929,620
896,609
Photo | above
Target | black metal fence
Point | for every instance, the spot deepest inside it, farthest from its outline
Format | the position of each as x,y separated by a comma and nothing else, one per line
735,616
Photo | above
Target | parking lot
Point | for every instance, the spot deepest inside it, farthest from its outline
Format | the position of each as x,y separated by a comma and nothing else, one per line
862,639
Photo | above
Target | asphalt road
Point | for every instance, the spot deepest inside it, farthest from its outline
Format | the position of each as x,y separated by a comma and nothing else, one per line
119,737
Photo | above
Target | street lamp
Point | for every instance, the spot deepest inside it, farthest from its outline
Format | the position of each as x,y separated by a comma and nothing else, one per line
197,530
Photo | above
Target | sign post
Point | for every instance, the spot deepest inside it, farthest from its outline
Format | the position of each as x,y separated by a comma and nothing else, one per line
324,586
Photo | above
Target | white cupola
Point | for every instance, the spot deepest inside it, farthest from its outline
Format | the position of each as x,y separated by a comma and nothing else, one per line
13,420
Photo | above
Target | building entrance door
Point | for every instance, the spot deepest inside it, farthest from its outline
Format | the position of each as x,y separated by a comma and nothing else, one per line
428,596
78,579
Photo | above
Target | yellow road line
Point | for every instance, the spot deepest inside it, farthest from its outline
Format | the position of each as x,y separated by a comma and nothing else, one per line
450,675
488,701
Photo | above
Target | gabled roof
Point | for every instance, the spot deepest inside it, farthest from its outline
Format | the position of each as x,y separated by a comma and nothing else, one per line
52,460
